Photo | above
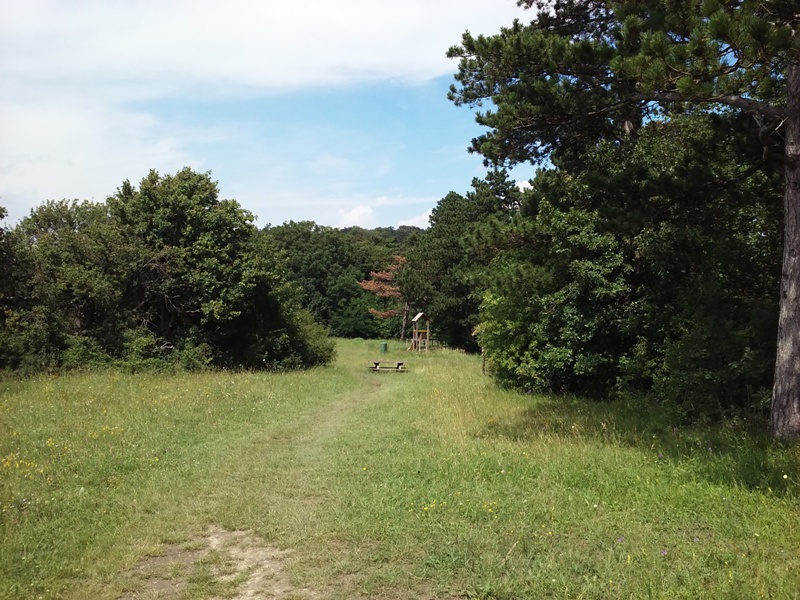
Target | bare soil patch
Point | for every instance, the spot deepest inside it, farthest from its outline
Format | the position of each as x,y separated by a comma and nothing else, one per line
235,565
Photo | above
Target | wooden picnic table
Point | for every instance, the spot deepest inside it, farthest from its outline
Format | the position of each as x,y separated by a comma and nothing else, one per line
388,365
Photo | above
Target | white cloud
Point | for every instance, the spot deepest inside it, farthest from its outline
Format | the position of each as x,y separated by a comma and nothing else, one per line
80,79
132,51
361,216
422,221
53,151
384,209
146,48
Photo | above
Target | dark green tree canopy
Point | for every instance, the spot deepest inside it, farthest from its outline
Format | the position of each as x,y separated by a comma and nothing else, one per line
71,269
584,72
167,274
639,271
195,244
327,265
446,262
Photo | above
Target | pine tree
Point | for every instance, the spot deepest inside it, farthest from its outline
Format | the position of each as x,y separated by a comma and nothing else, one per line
586,70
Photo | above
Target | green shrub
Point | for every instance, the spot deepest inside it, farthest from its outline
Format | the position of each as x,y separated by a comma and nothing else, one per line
83,351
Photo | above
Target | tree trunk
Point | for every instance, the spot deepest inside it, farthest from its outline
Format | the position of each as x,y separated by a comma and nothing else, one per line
406,308
785,412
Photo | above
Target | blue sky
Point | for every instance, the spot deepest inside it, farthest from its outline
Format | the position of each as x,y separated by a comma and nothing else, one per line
333,111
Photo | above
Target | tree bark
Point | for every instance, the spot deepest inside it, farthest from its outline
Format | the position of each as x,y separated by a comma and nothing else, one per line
785,412
406,308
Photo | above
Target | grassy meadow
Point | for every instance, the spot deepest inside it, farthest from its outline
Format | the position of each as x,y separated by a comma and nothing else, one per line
429,484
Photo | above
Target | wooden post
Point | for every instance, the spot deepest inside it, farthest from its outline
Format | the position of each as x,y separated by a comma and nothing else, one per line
406,308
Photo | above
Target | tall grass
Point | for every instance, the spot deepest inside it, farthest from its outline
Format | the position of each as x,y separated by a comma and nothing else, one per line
96,468
431,483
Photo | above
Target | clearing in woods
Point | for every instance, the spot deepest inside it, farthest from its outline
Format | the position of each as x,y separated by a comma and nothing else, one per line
339,483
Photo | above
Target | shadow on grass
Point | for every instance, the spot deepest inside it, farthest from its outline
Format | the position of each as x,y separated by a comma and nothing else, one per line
736,451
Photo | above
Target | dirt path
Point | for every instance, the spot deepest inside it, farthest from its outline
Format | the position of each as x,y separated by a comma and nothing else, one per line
239,565
235,565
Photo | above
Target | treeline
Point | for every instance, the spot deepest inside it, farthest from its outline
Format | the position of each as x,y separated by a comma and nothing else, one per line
166,275
332,268
649,265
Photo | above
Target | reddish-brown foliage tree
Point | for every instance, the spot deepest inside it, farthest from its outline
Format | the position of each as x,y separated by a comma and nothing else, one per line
381,283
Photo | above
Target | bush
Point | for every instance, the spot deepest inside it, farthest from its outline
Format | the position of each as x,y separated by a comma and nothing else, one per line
83,351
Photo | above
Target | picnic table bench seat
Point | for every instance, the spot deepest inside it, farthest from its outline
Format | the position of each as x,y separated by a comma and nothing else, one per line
388,365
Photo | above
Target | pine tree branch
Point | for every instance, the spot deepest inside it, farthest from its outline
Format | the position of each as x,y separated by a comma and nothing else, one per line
736,101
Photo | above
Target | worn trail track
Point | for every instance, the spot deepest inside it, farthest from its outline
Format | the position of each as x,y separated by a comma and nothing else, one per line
241,564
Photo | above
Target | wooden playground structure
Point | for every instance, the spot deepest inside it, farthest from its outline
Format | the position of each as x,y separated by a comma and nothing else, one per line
420,336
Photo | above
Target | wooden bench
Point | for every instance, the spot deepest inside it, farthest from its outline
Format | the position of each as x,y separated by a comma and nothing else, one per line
388,365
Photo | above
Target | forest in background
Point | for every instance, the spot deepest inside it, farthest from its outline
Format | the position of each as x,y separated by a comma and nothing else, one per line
645,257
630,273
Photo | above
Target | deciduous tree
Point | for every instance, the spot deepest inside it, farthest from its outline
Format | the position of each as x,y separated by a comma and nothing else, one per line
161,275
203,282
327,265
